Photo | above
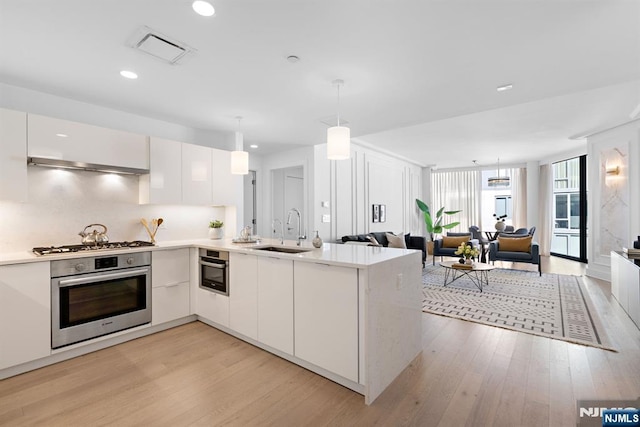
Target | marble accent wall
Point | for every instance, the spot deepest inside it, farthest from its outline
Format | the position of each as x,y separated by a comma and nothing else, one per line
62,202
614,200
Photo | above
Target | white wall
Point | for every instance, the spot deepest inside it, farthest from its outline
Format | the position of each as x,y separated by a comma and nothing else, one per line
62,202
614,201
21,99
352,186
299,157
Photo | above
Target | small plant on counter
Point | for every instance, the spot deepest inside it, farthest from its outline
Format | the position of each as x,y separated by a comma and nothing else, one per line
216,224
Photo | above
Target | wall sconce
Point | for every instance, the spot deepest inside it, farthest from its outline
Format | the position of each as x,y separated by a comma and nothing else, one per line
613,170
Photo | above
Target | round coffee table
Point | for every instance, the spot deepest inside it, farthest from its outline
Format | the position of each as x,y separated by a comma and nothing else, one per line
478,273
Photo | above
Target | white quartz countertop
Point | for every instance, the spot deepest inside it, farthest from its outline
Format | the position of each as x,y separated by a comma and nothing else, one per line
330,253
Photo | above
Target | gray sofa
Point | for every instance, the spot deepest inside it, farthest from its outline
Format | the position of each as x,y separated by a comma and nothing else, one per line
412,242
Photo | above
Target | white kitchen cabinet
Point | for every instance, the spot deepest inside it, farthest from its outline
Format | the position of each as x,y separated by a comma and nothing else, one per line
275,303
212,306
227,188
326,317
163,184
243,294
13,155
196,175
25,313
625,285
170,283
65,140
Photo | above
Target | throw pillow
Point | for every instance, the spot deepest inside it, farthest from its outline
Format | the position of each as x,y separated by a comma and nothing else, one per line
514,244
453,241
396,241
373,240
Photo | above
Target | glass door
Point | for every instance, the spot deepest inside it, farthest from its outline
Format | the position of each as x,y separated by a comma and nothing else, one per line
569,238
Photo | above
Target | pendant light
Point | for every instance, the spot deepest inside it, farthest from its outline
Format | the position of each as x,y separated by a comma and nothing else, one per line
499,181
239,158
338,137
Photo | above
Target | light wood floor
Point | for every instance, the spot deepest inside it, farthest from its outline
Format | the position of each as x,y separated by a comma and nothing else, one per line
467,374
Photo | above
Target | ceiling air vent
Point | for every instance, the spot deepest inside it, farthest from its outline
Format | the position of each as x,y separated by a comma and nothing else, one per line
159,46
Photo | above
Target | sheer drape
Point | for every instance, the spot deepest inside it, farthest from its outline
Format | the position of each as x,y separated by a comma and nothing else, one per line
545,228
457,190
519,197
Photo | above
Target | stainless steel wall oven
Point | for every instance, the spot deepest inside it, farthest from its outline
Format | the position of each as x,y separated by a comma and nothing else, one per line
214,271
95,296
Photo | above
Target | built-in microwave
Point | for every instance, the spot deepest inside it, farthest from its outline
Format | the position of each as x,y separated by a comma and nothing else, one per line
214,271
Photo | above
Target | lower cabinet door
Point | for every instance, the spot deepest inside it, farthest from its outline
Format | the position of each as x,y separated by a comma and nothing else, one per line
213,307
243,294
169,303
275,303
25,313
326,317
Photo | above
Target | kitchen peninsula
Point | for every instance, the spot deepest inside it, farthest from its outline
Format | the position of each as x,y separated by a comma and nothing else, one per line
347,312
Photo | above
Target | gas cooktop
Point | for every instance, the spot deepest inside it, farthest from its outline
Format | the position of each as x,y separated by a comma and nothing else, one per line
55,250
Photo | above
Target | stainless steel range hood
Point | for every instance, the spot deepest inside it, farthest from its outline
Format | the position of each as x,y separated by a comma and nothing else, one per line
68,164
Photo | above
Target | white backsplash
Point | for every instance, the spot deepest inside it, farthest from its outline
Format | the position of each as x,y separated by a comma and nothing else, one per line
62,202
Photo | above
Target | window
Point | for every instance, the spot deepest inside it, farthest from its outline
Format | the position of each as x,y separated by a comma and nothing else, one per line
569,209
503,206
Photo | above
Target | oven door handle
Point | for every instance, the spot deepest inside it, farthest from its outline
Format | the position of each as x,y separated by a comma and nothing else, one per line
208,264
99,278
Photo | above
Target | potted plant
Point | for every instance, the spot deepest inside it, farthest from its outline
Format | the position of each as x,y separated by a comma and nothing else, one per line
215,229
435,227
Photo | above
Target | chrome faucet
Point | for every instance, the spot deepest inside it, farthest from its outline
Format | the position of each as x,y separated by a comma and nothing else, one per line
273,226
297,212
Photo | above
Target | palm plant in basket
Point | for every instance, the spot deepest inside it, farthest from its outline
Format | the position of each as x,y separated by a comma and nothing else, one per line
435,227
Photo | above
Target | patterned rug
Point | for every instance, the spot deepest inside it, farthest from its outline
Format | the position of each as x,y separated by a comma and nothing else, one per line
553,305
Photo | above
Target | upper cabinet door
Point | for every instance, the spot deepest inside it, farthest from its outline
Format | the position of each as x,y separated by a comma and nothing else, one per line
227,188
62,139
163,185
13,155
196,175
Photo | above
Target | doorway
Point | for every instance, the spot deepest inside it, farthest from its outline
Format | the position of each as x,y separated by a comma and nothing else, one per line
569,238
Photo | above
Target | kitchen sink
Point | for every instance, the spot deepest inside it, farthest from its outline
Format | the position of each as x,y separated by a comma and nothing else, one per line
284,249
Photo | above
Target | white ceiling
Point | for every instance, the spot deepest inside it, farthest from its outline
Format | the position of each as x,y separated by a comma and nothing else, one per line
420,75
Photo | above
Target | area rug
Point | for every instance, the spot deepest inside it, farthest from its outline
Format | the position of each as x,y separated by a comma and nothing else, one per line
552,305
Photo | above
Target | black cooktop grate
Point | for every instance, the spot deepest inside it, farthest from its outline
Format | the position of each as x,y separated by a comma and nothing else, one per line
55,250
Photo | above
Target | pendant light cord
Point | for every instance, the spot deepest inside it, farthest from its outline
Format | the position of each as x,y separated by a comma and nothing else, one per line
338,104
239,138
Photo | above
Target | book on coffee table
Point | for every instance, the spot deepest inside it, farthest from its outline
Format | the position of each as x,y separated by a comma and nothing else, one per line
462,266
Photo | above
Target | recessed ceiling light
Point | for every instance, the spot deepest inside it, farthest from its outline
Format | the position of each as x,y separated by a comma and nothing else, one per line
61,135
128,74
253,146
505,87
203,8
293,58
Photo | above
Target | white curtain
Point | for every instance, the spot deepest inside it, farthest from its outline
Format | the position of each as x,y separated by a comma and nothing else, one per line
519,198
457,190
544,230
